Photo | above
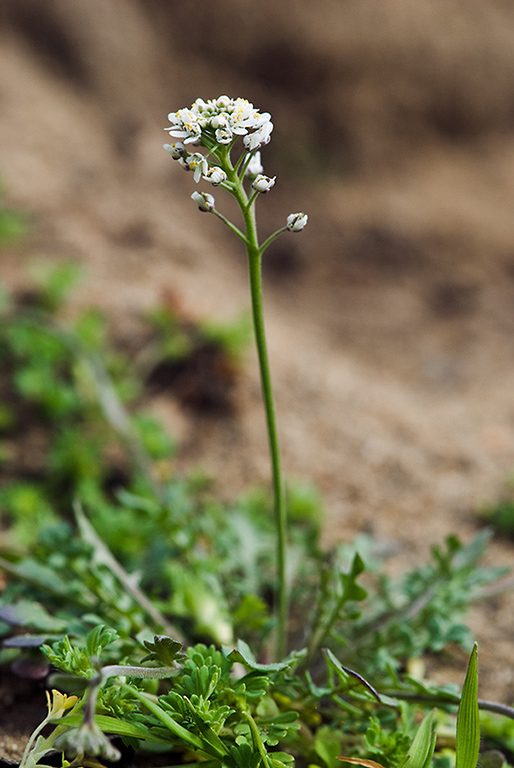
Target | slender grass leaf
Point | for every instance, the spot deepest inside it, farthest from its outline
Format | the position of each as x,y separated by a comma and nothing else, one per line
116,727
171,724
468,725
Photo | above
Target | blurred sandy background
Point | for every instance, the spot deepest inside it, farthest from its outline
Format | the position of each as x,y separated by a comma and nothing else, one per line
390,317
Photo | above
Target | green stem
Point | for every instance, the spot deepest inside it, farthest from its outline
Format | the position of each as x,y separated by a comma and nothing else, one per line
230,225
271,238
254,252
450,698
254,262
31,741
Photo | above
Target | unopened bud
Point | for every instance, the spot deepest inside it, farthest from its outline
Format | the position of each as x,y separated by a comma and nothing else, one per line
296,221
263,183
254,167
204,201
177,150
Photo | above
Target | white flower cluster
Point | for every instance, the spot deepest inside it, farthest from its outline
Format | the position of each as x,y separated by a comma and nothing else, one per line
221,120
215,125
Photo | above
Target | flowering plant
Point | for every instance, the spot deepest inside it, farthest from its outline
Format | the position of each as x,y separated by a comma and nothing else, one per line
217,125
227,707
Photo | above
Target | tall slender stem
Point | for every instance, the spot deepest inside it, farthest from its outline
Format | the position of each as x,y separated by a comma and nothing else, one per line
254,262
254,252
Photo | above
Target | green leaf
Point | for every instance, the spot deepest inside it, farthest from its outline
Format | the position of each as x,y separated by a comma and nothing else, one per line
114,725
99,638
327,745
468,725
244,655
171,724
280,759
352,590
423,745
165,650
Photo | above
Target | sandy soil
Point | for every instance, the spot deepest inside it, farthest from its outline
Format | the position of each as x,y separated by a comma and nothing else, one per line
390,318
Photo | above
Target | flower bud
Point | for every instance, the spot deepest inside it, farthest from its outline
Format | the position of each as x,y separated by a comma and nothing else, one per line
296,221
263,183
177,150
204,201
218,121
254,167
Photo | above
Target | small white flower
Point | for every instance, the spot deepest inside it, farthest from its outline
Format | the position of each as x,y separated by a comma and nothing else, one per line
263,117
259,137
198,164
243,116
204,201
263,183
254,167
223,135
215,175
185,125
177,150
296,221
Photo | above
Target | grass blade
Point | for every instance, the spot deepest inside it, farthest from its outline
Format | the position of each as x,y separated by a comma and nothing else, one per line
468,726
